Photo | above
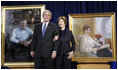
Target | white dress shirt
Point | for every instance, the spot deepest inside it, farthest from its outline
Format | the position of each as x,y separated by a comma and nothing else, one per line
44,24
87,44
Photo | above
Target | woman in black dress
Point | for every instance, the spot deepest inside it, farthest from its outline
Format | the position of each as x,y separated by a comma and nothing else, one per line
65,50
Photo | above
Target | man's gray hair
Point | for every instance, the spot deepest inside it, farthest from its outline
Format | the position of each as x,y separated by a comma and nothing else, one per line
47,11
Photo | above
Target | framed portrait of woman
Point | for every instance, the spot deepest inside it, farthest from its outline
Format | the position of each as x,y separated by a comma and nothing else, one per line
95,36
11,17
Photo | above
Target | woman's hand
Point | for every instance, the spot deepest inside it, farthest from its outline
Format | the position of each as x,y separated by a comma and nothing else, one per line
55,38
98,49
53,56
32,53
70,55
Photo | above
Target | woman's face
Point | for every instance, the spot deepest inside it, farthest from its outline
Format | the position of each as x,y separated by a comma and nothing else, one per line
87,31
61,23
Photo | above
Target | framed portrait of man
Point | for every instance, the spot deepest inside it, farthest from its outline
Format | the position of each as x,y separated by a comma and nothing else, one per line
11,19
95,36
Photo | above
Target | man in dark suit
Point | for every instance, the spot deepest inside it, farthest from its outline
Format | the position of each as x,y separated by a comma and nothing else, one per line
43,48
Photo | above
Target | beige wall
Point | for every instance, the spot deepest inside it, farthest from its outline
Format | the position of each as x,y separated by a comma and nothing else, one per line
78,24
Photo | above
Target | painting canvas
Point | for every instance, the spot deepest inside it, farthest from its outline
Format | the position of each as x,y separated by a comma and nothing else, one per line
102,32
11,17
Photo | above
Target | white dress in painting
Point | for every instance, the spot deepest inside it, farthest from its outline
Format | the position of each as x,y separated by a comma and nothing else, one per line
88,46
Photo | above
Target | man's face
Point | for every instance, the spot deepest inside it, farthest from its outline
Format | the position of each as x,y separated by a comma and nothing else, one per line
46,16
23,24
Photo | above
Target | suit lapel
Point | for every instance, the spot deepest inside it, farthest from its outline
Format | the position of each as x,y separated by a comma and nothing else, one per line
40,30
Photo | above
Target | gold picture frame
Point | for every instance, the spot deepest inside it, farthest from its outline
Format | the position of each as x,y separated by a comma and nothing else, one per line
32,12
95,21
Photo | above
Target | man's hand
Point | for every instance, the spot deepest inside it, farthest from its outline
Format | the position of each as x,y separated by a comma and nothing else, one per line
70,55
27,43
32,53
55,38
21,42
53,54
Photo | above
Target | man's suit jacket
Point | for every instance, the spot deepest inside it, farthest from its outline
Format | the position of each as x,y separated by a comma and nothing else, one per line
44,46
65,48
